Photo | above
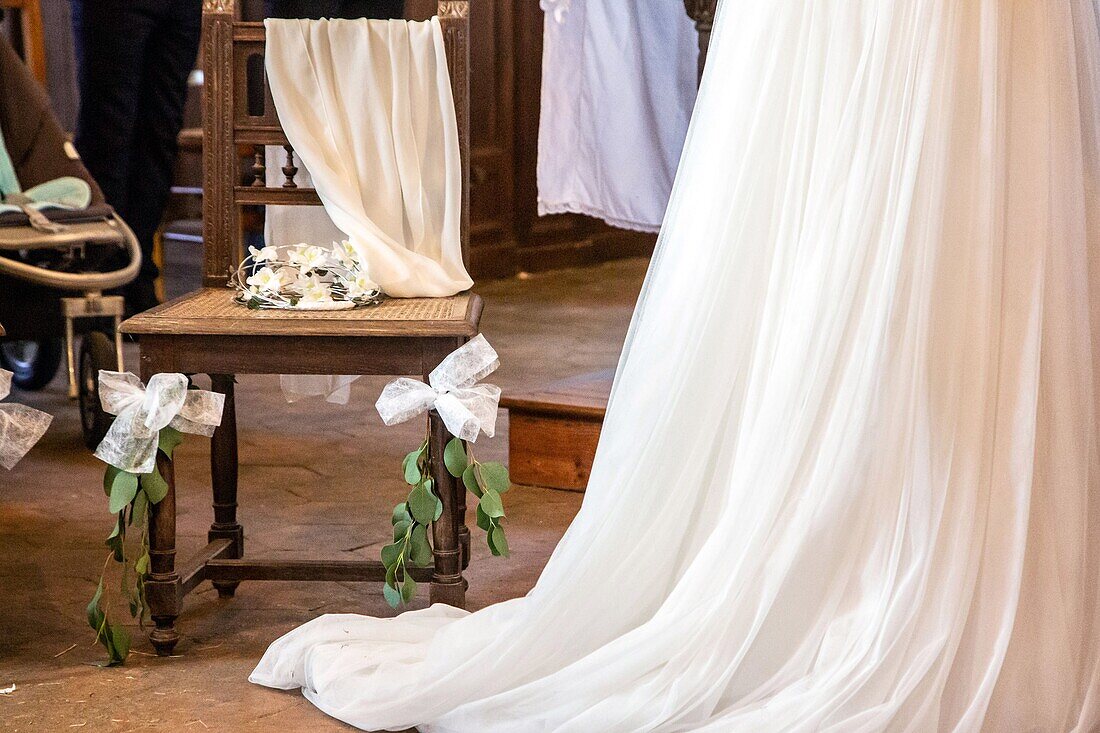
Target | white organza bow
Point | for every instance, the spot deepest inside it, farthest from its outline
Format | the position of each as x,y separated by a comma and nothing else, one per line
466,407
131,442
20,426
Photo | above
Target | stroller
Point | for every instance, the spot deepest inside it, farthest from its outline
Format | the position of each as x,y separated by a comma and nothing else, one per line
61,246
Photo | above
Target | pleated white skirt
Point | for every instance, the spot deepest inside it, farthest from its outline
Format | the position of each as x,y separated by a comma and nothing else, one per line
848,479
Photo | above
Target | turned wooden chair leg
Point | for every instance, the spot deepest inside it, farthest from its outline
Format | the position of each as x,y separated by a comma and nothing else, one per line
448,586
223,475
162,587
460,521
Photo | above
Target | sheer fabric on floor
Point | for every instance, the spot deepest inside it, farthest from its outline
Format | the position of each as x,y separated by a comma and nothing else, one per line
848,475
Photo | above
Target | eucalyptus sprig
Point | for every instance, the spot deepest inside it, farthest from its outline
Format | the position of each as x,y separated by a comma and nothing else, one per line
410,529
486,481
129,497
411,518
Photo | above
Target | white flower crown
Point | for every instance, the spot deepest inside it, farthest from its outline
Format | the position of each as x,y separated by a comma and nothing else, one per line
304,277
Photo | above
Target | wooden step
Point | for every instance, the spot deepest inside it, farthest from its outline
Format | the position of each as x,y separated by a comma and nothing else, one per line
553,430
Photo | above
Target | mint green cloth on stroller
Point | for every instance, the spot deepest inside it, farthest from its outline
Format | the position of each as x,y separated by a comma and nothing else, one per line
66,192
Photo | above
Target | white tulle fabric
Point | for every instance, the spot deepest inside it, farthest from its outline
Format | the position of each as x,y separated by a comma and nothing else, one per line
141,412
848,479
367,106
20,426
466,408
335,388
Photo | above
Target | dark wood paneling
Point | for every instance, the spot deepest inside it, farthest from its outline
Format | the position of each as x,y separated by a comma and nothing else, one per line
491,132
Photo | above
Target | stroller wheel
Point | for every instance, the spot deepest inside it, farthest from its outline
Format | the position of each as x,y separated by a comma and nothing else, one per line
97,351
33,364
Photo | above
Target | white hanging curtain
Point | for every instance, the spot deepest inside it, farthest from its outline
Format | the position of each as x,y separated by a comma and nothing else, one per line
618,86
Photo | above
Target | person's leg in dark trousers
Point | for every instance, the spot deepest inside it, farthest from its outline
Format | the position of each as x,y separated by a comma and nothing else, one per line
137,55
169,59
76,14
114,37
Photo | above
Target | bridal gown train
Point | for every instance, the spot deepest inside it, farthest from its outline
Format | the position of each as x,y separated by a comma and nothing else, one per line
848,479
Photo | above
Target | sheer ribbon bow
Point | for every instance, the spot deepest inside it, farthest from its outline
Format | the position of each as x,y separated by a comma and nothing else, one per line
131,442
466,407
20,426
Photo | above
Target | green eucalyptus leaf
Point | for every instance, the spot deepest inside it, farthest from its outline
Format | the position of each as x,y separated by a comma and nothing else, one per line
391,553
140,508
392,595
483,520
498,542
438,509
119,647
454,457
401,513
420,552
154,486
109,478
141,567
116,540
491,504
123,490
469,480
95,613
411,465
391,576
168,440
408,589
390,589
400,530
422,504
495,476
411,468
119,528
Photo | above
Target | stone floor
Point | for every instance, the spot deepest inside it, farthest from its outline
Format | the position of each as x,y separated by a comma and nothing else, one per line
311,473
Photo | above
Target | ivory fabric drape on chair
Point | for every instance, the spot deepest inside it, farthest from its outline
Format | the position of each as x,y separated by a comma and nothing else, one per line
849,476
367,106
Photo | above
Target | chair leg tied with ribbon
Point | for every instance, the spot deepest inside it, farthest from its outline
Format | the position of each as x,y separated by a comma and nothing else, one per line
223,473
162,587
448,586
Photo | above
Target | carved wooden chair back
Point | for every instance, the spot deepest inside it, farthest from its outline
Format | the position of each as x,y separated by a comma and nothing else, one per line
237,127
27,26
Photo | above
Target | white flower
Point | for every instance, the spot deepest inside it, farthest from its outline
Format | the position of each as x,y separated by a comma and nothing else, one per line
266,280
309,257
315,291
359,286
342,253
348,255
264,254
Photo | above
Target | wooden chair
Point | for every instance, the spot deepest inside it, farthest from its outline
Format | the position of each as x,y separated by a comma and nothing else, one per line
702,12
205,332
